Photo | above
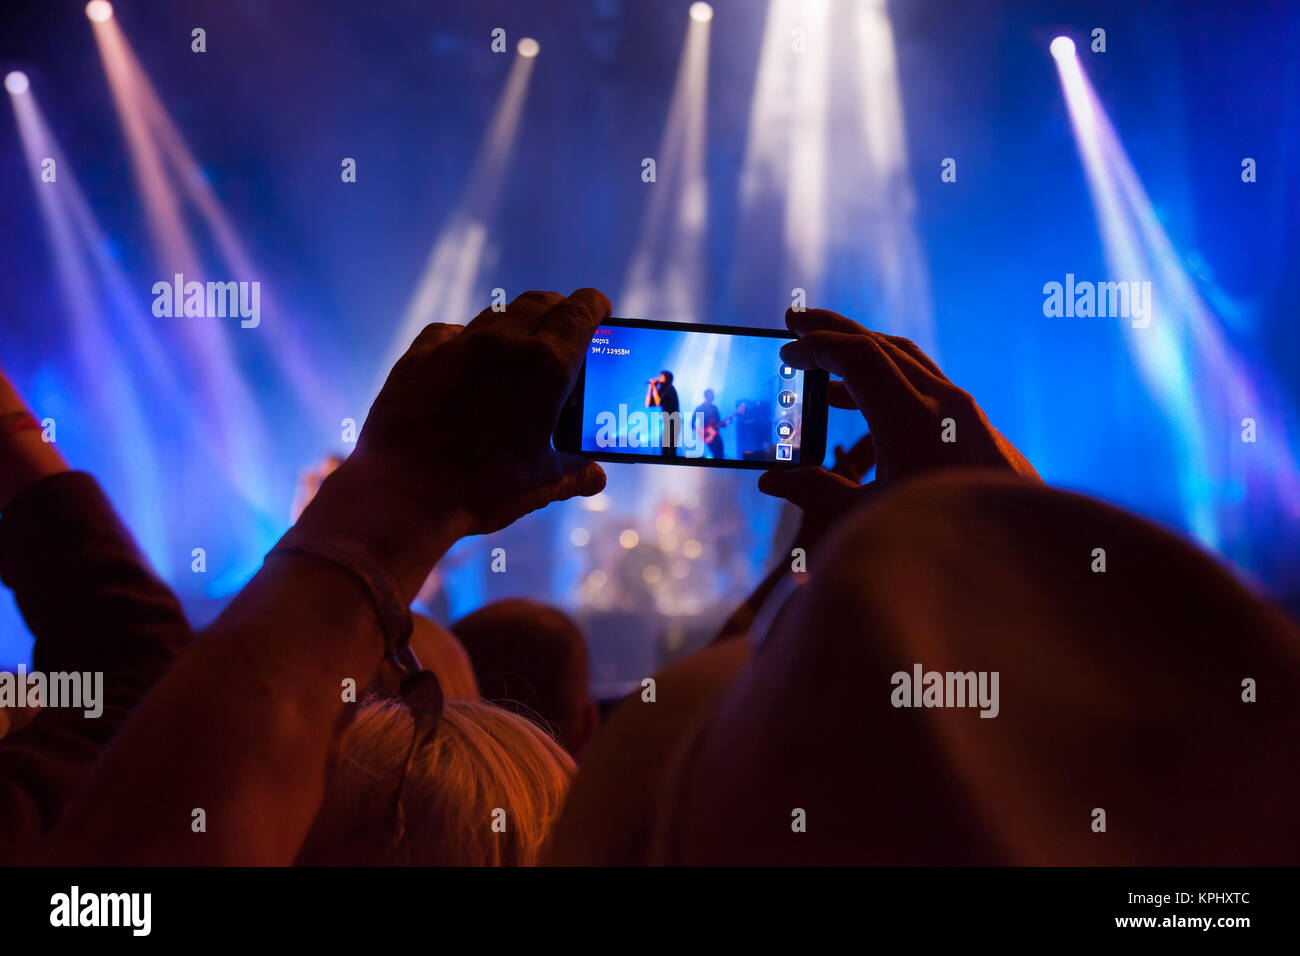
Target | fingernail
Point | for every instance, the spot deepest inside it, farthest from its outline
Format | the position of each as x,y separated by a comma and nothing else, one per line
596,301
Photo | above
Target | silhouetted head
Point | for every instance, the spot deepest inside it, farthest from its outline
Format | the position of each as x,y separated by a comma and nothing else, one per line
609,813
533,658
666,377
862,734
708,395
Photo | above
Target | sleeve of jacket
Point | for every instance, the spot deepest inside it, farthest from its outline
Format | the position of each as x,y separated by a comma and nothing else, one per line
95,607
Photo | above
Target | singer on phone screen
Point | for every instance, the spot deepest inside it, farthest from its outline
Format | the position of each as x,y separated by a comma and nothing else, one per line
663,396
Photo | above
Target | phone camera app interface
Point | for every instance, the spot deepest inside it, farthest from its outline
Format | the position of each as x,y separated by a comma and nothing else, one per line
680,393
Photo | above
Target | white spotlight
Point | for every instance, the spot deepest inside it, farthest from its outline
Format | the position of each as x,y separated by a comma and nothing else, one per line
529,47
701,12
99,10
1062,47
16,82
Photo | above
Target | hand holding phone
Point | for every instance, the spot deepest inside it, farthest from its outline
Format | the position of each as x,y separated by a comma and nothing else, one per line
428,459
905,398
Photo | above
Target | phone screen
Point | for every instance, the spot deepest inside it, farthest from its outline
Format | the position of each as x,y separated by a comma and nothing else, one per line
686,394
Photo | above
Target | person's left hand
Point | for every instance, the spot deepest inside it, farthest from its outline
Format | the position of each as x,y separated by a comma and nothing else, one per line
905,398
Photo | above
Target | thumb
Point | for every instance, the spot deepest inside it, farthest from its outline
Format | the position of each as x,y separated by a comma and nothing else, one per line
580,476
810,489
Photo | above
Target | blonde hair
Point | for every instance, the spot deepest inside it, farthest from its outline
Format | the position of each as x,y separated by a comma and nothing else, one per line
481,760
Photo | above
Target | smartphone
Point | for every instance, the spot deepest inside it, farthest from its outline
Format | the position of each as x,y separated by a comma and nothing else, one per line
716,396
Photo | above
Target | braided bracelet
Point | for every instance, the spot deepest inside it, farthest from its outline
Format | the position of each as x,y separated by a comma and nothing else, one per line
395,620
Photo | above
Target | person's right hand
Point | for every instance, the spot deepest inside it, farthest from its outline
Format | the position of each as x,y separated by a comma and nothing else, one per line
906,401
458,441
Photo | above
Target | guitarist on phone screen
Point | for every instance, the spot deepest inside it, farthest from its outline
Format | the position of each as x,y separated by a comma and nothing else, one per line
709,423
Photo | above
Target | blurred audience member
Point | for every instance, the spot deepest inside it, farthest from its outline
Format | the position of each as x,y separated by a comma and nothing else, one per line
532,658
1119,730
437,650
96,610
309,482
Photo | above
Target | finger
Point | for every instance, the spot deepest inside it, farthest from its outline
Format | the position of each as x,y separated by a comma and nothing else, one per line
564,476
524,312
878,388
913,350
863,454
804,321
570,324
582,477
533,307
433,335
810,489
857,461
839,396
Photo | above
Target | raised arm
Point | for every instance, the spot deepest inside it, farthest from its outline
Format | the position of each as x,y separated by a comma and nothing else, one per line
94,607
244,726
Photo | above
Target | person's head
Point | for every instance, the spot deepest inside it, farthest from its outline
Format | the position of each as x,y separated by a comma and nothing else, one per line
437,650
482,762
609,813
533,658
666,377
980,579
708,395
309,482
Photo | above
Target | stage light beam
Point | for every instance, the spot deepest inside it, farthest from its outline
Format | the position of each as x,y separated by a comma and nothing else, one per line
665,275
444,289
99,10
1193,373
1062,47
528,47
16,82
827,203
220,381
105,378
294,358
701,12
